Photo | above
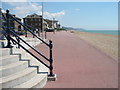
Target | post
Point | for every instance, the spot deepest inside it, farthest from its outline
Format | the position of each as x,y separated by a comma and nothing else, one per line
8,29
53,25
51,59
51,76
25,33
45,34
33,32
38,32
24,27
42,22
18,40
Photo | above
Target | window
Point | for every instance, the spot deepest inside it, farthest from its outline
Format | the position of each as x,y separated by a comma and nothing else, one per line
25,20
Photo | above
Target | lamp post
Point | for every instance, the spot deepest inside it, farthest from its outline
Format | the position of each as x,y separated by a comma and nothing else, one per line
53,25
42,21
1,24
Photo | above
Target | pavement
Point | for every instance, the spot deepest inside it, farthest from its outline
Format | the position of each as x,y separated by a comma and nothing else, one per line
79,64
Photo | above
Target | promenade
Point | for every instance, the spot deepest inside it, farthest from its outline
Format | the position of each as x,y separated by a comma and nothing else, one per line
79,64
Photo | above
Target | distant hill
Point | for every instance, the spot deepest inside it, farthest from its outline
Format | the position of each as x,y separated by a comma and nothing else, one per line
71,28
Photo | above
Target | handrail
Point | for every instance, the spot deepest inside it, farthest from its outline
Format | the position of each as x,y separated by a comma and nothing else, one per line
29,52
9,38
4,16
29,30
29,45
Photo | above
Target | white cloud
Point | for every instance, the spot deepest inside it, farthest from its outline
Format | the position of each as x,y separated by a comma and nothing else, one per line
14,0
3,11
77,9
54,15
25,9
60,0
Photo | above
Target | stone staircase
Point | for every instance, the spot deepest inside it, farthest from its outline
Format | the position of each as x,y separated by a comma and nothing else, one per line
18,69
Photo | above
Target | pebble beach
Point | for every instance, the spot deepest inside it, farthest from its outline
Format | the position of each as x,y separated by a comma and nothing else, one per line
106,43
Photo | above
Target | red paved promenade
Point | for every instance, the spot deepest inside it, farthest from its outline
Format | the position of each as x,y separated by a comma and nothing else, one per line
80,65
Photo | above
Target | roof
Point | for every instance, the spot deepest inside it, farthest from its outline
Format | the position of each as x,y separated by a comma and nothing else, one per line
33,16
47,20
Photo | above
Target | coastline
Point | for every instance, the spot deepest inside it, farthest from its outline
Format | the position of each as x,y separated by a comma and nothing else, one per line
105,42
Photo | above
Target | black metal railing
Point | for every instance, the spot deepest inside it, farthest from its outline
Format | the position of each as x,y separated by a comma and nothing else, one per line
19,39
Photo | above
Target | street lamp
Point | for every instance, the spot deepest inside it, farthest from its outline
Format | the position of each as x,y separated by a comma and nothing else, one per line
53,25
42,21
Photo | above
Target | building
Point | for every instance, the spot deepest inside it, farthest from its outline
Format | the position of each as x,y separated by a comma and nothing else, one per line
17,26
13,24
33,22
52,23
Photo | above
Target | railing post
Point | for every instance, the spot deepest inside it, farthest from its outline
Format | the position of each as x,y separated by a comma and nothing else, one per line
25,33
34,33
51,59
8,29
38,32
25,30
18,40
45,34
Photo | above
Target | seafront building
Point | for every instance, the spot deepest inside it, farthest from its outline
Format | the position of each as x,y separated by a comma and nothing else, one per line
13,24
33,22
52,23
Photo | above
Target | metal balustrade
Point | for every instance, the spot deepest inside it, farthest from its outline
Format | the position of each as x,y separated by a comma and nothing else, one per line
9,32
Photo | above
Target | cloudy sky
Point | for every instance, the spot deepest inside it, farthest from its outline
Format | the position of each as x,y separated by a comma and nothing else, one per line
87,15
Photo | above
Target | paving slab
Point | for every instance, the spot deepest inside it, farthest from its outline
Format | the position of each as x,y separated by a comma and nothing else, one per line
79,64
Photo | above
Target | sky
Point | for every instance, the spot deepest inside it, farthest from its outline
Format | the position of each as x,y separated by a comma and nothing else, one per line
86,15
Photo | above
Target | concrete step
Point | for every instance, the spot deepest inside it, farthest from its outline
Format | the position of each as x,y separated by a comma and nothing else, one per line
18,78
17,74
38,81
30,41
4,51
13,68
9,59
3,43
25,55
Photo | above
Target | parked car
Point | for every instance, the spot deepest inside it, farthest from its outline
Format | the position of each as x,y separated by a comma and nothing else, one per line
50,30
19,32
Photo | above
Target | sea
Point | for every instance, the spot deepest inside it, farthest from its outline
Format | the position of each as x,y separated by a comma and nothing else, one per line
111,32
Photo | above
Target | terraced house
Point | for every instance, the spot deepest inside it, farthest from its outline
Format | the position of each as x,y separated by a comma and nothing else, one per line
34,22
13,24
52,23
